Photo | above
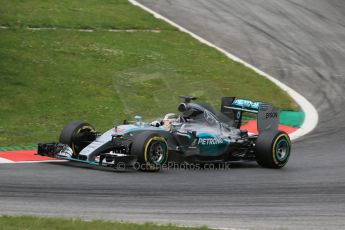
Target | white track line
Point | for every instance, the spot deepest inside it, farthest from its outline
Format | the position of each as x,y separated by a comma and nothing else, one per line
311,114
3,160
6,161
45,161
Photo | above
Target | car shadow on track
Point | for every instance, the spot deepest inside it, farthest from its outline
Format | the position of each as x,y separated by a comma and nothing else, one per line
78,165
230,166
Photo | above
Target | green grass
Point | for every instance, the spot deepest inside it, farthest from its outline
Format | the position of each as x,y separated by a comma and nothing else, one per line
50,77
111,14
40,223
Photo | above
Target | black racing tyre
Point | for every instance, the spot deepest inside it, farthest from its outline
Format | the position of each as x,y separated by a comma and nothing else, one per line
151,150
272,149
72,135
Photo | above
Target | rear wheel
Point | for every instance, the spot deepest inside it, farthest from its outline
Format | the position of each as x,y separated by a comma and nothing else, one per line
77,135
151,150
272,149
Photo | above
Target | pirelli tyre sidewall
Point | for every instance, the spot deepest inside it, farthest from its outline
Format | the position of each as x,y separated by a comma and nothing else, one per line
151,150
69,135
272,149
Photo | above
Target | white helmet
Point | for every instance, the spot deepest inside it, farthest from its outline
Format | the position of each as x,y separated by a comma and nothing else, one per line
168,120
170,116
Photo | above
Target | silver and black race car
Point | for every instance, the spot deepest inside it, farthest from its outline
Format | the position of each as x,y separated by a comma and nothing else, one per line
199,134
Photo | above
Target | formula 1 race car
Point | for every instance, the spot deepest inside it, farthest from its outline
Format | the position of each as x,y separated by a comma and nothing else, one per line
199,134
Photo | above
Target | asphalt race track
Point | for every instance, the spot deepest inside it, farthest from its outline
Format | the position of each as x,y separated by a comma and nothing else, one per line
302,43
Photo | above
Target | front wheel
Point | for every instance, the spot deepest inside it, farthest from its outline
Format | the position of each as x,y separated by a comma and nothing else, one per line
77,135
272,149
151,150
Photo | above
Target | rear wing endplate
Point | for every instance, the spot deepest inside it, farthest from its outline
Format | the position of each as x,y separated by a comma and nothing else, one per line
267,118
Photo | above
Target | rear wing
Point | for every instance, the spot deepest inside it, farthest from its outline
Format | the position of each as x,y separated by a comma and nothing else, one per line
267,115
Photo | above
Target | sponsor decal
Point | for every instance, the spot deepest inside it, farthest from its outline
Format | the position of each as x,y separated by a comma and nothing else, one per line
271,115
238,115
210,141
123,128
119,130
246,103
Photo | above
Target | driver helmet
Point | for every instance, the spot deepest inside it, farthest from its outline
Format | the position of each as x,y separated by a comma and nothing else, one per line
168,119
